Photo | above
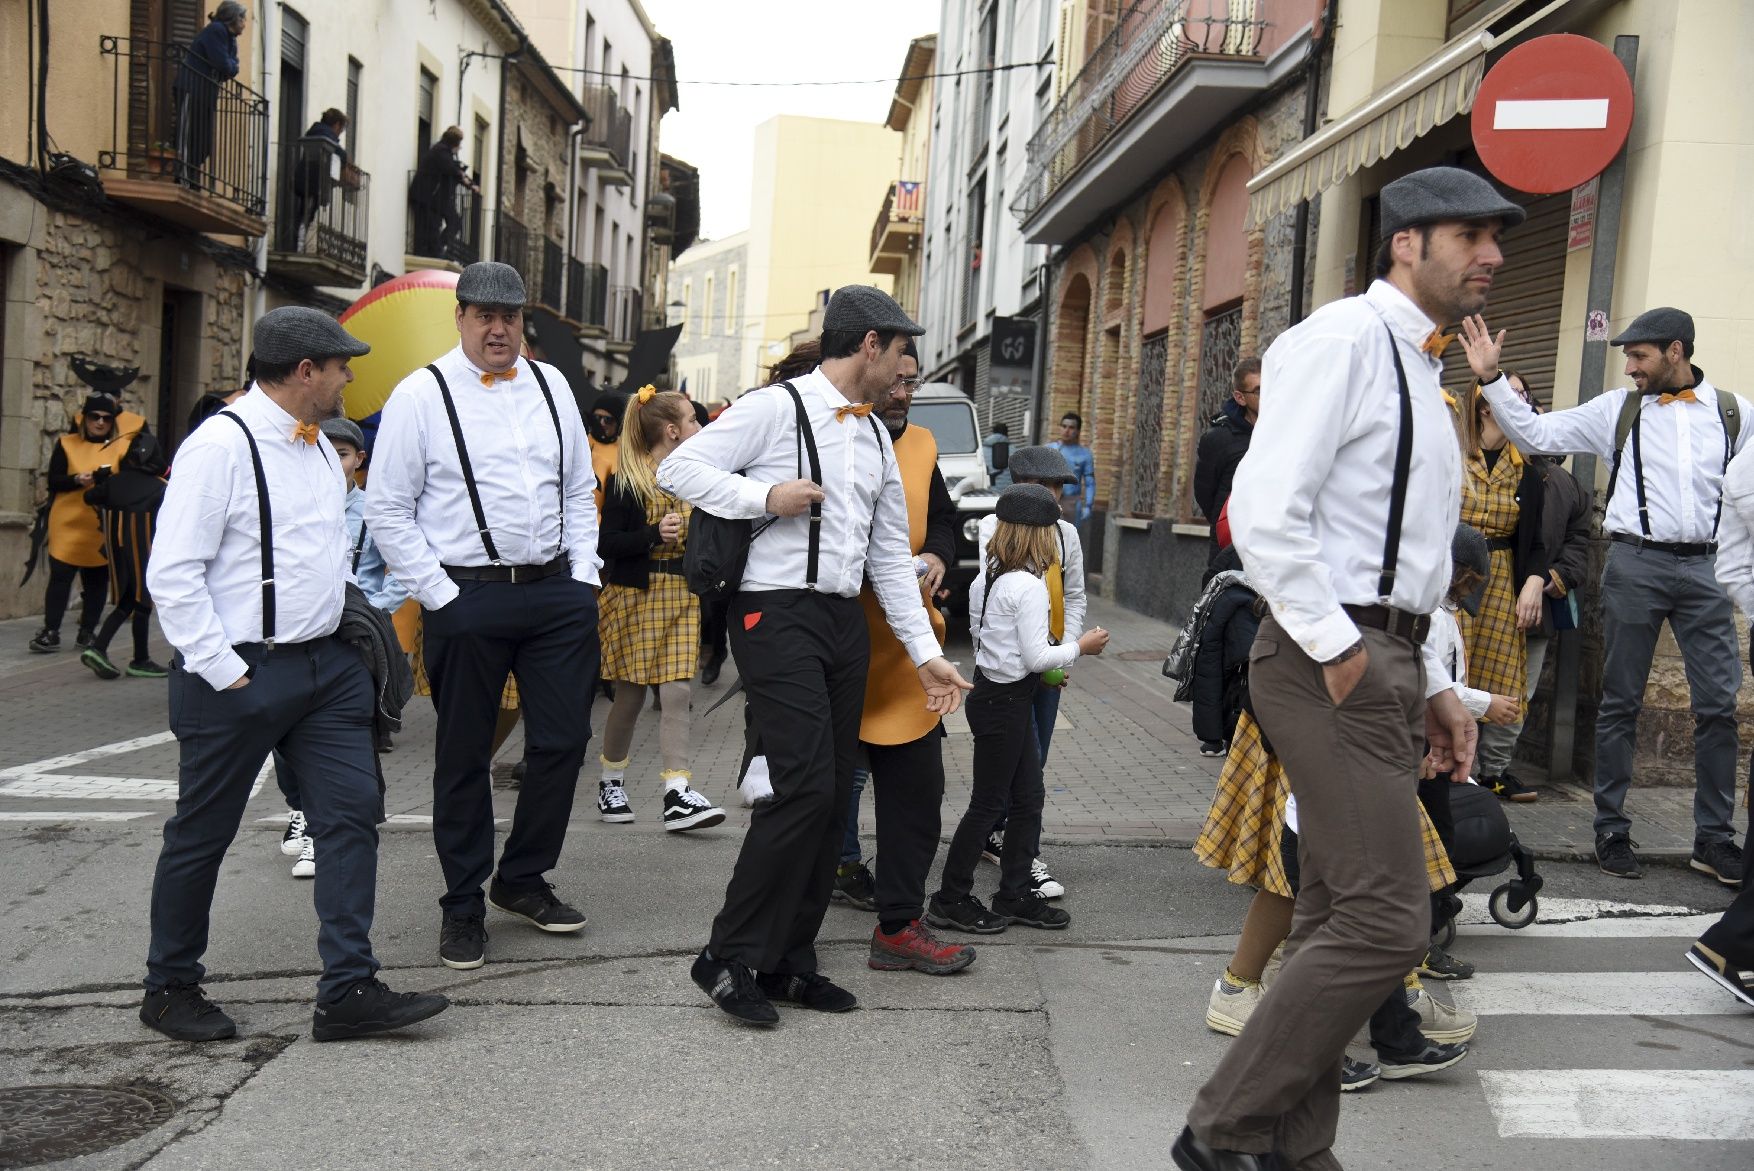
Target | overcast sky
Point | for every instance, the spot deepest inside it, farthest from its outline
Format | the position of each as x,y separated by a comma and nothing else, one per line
773,40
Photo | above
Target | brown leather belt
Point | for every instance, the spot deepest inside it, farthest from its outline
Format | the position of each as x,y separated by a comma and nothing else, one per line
1400,623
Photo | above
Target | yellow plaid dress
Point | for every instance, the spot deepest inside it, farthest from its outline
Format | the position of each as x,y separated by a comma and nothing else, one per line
1497,651
1246,823
652,635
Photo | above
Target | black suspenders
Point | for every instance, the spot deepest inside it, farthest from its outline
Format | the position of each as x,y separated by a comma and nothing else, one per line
1385,585
1638,477
265,517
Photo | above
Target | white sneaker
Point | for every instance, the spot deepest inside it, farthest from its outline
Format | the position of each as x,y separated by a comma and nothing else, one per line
1228,1009
1438,1021
306,866
612,803
686,809
1043,883
756,786
293,840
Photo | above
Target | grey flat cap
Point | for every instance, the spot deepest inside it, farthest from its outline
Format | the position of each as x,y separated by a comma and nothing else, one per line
292,333
1028,504
1041,463
860,307
341,430
1468,548
1443,193
1657,325
489,282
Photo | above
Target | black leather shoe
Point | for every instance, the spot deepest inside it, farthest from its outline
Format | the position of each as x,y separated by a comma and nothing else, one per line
183,1012
810,989
1190,1154
368,1007
709,673
732,987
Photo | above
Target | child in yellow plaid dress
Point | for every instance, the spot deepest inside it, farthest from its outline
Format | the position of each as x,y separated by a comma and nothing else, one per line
649,621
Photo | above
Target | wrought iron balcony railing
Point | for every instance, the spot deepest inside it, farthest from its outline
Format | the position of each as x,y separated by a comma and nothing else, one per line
624,314
608,141
447,229
553,275
322,205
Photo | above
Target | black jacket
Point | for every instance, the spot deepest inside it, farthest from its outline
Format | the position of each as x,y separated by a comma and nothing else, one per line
1221,449
624,540
1529,549
1565,530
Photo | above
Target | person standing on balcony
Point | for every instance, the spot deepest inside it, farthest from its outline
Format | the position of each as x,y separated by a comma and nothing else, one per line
1077,497
311,179
432,196
210,62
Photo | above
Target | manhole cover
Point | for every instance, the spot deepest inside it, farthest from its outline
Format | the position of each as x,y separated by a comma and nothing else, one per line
40,1124
1141,656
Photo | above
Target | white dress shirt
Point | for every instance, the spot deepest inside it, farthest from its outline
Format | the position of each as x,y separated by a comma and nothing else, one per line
1013,640
728,467
1310,507
1071,575
1681,446
1446,643
1735,536
206,569
417,503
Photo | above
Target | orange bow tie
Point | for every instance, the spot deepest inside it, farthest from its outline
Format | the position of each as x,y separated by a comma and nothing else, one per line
488,377
305,431
1437,342
1679,396
861,410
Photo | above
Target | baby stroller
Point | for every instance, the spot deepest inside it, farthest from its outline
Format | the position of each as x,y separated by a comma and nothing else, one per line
1485,846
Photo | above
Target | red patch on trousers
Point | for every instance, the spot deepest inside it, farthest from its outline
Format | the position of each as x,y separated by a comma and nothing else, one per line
750,619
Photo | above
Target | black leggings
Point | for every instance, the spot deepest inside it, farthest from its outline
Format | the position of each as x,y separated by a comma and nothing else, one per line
1007,774
94,582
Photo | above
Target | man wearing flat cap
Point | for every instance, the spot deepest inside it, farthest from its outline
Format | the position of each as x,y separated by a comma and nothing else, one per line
799,635
1342,512
248,572
481,501
1671,437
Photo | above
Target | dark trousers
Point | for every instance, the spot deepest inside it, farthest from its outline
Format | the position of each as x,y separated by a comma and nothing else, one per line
1007,780
94,583
803,656
713,612
909,781
1362,918
1733,935
314,700
1045,710
546,632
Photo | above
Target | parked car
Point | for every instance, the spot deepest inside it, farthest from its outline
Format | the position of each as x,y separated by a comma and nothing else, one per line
949,415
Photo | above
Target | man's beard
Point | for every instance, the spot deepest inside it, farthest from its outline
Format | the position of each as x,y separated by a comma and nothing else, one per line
895,423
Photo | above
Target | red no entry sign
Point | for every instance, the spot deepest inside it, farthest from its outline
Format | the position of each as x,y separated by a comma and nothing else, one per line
1552,113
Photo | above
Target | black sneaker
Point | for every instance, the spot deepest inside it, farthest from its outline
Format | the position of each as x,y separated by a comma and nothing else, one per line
732,987
1614,855
146,669
1212,748
810,989
709,671
183,1013
45,641
965,914
686,809
854,885
1508,788
612,803
463,941
1735,979
1428,1060
85,637
994,847
368,1007
1355,1074
1031,910
292,842
1441,965
99,663
539,905
1721,859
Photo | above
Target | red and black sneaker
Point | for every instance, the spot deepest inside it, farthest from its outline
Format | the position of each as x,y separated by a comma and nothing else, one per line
914,946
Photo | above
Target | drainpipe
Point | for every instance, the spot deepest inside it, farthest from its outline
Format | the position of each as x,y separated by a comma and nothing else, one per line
256,299
1311,102
572,204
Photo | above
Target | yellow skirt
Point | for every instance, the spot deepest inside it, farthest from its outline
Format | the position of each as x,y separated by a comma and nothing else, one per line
649,636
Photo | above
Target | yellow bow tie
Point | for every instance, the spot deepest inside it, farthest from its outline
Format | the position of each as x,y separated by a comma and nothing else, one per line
1437,342
1679,396
488,377
305,431
861,410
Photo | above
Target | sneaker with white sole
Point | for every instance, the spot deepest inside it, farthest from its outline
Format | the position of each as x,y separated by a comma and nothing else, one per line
1356,1074
1229,1007
1043,883
1428,1060
1438,1021
994,847
612,803
306,866
686,809
1733,978
292,843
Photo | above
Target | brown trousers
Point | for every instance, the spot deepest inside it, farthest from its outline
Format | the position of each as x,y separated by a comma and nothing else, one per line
1363,916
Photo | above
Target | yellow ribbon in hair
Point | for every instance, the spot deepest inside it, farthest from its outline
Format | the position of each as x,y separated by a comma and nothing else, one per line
646,392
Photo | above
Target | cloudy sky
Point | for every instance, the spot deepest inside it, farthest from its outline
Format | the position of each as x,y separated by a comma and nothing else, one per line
773,40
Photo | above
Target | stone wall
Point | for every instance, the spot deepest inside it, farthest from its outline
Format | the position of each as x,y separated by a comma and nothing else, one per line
540,171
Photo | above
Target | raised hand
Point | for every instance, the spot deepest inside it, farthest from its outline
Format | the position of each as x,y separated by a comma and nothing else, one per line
1482,348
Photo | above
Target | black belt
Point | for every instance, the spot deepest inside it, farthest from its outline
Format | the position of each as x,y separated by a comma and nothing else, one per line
1678,548
516,574
1400,623
1507,544
671,565
269,648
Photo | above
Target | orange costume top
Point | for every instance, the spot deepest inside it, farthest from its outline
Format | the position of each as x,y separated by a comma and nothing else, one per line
605,458
75,534
895,703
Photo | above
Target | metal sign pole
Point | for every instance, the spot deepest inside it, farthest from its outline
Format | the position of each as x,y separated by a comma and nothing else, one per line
1600,300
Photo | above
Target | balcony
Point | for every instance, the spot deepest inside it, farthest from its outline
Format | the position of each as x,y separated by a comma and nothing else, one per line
511,245
593,315
553,275
896,234
321,208
1170,73
446,233
607,144
185,145
624,316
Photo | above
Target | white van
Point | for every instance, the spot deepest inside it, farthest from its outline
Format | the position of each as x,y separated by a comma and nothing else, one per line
942,409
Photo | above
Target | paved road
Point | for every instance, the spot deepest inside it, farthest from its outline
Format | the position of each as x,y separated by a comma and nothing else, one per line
1598,1049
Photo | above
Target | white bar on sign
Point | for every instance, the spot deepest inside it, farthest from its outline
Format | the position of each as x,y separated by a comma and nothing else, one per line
1551,114
1707,1105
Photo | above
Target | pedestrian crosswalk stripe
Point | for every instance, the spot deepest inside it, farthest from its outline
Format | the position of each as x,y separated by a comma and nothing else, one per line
1704,1105
1677,993
1656,927
83,815
38,779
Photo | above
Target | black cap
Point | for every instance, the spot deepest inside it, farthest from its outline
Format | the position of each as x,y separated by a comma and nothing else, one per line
1028,504
858,308
1443,193
1663,324
100,402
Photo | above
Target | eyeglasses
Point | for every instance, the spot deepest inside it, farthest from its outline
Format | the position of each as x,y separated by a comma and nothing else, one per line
604,418
100,417
908,383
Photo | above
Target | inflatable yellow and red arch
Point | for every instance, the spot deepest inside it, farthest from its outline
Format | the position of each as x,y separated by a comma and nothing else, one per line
408,321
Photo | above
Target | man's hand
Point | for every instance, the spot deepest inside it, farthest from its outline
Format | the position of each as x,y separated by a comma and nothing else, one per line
1482,348
1342,677
1528,605
670,528
83,478
1504,710
793,498
241,682
1452,734
944,685
934,573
